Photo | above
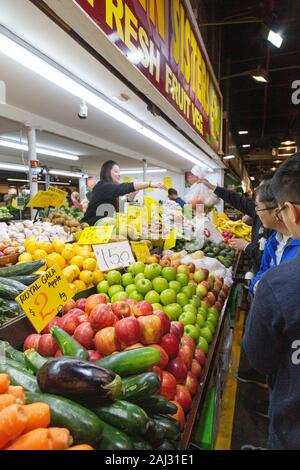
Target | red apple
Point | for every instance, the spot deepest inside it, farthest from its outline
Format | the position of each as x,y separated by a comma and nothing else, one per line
164,358
222,295
101,317
178,368
69,323
218,306
142,308
179,415
183,269
47,346
210,284
168,385
151,329
225,289
83,318
205,284
106,341
94,355
192,267
217,286
188,341
84,334
128,331
196,369
179,326
165,321
183,397
200,356
121,309
165,261
131,303
80,303
54,322
191,383
68,306
174,331
77,312
175,264
170,344
193,282
58,354
93,300
157,370
211,298
186,354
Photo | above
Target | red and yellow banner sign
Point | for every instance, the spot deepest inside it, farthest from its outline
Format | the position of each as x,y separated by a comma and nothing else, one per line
160,39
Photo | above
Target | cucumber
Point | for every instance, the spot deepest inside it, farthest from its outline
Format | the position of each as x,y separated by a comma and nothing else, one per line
15,284
15,364
22,269
8,292
9,306
83,424
68,345
155,434
141,444
156,404
19,377
12,353
113,439
34,361
170,425
140,386
27,280
125,416
131,362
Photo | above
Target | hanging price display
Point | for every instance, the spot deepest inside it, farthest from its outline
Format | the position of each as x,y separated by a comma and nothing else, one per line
96,235
60,195
113,255
168,182
141,250
43,299
51,198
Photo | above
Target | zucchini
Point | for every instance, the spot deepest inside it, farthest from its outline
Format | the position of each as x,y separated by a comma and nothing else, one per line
21,269
27,280
68,345
132,361
8,292
9,306
125,416
15,284
166,445
156,404
170,425
15,364
34,360
140,386
12,353
113,439
19,377
141,444
83,424
155,434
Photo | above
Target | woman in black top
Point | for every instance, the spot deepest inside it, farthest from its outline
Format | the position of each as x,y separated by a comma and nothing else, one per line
105,195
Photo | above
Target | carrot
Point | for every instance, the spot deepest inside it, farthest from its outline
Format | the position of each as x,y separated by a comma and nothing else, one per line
17,391
81,447
38,416
37,439
6,400
4,383
60,438
13,421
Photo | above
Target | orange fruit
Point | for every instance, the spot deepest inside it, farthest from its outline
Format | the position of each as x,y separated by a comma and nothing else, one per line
77,260
86,277
90,264
55,258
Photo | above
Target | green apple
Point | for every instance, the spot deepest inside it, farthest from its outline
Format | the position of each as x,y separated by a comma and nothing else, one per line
211,326
187,318
200,320
202,344
183,279
114,278
192,287
119,296
169,273
127,279
173,311
138,277
135,295
130,288
204,305
152,297
160,284
168,296
211,318
176,286
206,333
213,311
191,307
188,291
136,268
152,271
114,290
157,306
195,301
202,312
143,286
182,299
183,269
193,331
103,287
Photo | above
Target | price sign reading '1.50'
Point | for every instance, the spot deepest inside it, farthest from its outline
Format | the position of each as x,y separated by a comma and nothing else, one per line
43,299
113,255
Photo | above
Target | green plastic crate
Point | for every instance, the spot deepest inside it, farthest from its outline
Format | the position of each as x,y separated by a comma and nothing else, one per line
204,436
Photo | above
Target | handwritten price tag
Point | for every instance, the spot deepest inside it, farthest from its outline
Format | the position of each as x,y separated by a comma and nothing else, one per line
51,198
96,235
43,299
141,251
113,255
60,195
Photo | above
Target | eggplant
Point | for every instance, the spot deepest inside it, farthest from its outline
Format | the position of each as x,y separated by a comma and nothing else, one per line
79,380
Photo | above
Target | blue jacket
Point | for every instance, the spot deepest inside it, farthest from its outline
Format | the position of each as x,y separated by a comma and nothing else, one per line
269,257
180,201
272,346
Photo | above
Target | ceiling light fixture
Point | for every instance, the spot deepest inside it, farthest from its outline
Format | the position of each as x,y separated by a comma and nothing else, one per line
67,173
245,146
243,132
26,55
275,38
12,167
228,157
288,142
277,161
273,168
140,172
39,150
260,75
252,178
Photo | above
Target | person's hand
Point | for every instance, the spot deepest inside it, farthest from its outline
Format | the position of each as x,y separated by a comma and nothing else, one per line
131,197
158,185
238,244
255,287
207,183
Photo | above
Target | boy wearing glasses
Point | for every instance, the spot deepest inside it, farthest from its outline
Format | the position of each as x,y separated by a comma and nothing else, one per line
272,335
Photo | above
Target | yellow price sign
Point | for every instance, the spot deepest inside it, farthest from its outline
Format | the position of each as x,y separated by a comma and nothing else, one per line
141,251
121,223
126,179
51,198
43,299
96,235
60,195
170,242
168,182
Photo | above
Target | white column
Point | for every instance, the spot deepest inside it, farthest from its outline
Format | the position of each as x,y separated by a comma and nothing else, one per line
31,138
82,188
145,166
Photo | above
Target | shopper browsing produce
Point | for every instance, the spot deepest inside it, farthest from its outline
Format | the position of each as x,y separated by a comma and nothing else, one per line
271,339
173,196
107,191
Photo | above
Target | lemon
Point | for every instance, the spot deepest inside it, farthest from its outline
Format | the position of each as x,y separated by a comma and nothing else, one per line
90,264
32,247
69,273
86,277
85,254
76,270
39,254
28,241
55,258
80,285
98,276
93,255
77,260
90,286
46,246
68,253
58,246
73,288
25,257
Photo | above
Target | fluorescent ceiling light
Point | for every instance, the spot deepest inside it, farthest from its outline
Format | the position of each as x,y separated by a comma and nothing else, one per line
252,178
18,180
277,161
12,167
245,146
274,168
243,132
228,157
66,173
260,78
288,142
39,182
210,170
139,172
39,150
275,38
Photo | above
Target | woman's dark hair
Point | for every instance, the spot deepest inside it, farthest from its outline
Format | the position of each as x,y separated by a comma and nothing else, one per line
265,195
105,173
